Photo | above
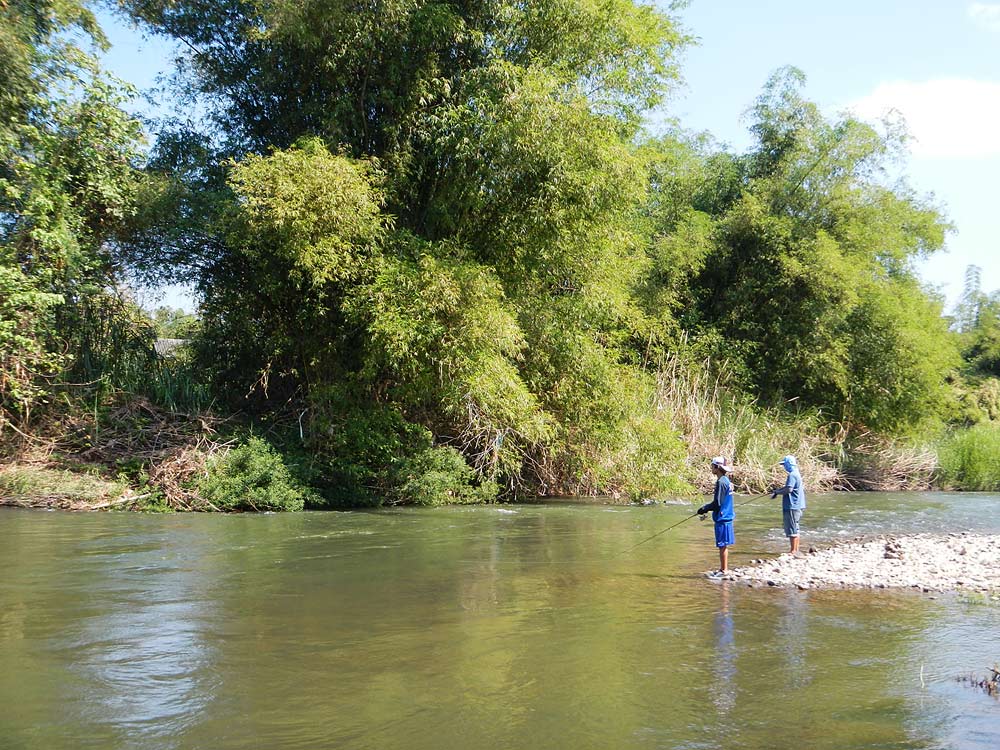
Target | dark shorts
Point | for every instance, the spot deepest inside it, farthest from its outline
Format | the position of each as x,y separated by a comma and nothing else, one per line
724,536
791,519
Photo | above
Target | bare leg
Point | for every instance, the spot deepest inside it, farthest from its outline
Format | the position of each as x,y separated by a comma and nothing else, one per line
795,543
724,559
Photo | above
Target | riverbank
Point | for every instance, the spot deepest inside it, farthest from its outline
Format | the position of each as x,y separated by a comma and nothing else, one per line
927,562
128,454
126,446
38,487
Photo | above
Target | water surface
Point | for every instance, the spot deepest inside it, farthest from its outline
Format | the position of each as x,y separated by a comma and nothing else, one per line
489,627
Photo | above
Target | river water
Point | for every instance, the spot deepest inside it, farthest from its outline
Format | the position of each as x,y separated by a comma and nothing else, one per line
482,627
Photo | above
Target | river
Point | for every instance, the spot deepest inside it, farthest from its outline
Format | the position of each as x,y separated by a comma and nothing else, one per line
478,627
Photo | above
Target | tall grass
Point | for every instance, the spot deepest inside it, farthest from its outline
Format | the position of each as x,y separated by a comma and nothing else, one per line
970,459
885,464
114,345
717,419
173,384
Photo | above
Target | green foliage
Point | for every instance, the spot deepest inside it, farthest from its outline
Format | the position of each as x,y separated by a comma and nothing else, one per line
981,337
437,476
803,264
367,76
446,338
171,323
900,353
25,316
175,384
305,229
67,182
970,459
426,287
368,455
977,401
317,212
251,477
433,234
355,441
113,341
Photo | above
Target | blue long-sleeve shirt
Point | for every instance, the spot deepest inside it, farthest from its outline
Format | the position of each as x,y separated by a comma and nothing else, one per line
722,502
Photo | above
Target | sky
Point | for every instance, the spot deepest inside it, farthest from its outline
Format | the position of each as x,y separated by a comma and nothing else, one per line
933,61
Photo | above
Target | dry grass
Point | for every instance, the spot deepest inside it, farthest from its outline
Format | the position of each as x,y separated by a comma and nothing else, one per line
171,448
33,486
715,422
176,474
888,466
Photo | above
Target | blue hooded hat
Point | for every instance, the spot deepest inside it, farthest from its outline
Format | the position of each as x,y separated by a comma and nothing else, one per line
789,463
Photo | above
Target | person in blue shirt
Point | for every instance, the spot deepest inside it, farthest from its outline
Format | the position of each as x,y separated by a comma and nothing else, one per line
722,511
793,501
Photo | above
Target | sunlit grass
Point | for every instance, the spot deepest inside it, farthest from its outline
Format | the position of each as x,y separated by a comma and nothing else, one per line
32,485
970,459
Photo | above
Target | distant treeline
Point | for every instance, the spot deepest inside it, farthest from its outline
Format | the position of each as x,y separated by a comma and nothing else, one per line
440,256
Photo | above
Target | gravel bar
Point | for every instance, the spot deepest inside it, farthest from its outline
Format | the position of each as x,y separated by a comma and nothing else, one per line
927,562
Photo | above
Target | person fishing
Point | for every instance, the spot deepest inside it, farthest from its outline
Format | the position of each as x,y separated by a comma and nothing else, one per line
722,512
793,501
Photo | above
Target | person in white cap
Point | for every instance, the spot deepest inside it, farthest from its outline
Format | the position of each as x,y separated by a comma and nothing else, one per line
722,511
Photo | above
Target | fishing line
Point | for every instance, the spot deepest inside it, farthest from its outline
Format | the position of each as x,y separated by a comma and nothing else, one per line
755,497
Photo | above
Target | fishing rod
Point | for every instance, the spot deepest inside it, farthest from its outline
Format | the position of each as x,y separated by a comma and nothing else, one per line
755,497
674,526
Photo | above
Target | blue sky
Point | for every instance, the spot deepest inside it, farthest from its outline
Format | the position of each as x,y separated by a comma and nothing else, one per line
935,61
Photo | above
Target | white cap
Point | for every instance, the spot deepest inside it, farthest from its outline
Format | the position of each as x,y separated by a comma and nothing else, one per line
720,461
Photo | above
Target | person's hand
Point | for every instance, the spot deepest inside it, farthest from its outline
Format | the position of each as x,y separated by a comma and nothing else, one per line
774,495
702,510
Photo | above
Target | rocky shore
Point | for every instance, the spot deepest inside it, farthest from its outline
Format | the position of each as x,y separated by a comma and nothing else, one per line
926,562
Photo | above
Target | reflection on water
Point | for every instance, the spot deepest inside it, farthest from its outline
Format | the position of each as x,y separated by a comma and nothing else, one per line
725,653
476,627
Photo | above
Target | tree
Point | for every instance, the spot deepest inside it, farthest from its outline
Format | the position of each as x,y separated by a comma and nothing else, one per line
174,323
431,212
806,270
971,303
66,184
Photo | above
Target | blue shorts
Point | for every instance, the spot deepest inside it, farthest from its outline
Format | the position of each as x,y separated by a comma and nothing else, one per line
791,520
724,536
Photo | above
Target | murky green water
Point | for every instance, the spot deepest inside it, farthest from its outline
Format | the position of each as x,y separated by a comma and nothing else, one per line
501,627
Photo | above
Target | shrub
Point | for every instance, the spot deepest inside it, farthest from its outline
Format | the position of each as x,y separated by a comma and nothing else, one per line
251,477
439,475
355,446
970,459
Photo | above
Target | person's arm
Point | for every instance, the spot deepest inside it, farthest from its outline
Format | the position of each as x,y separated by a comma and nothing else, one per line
787,489
714,505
